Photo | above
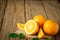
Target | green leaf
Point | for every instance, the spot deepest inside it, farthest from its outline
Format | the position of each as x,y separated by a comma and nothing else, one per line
35,39
21,35
13,35
47,38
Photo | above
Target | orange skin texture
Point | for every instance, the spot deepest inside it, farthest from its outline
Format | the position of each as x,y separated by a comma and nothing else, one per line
40,19
51,27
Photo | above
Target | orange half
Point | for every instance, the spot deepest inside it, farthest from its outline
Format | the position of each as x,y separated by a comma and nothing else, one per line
31,27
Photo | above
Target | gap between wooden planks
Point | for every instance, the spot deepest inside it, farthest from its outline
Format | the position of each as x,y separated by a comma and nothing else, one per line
52,9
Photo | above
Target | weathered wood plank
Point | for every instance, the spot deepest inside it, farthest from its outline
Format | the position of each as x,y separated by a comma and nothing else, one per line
51,9
21,11
2,11
49,0
55,8
41,0
33,8
14,13
48,11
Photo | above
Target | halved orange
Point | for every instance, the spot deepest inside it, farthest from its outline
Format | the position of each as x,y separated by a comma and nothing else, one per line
31,27
41,34
20,26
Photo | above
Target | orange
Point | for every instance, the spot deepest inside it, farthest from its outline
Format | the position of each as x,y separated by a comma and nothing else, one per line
41,34
20,26
31,27
40,19
51,27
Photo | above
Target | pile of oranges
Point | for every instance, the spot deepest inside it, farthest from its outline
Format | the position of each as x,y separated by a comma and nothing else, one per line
40,25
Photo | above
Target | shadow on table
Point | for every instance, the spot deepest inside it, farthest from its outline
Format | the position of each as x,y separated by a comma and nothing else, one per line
58,34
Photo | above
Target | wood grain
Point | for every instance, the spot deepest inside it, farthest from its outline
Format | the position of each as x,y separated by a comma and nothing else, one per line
55,9
14,13
51,10
34,8
3,4
24,10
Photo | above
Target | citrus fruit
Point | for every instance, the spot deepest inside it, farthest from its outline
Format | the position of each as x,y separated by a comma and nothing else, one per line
50,27
40,19
41,34
20,26
31,27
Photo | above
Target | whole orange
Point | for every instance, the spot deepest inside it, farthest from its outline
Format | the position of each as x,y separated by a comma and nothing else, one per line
40,19
51,27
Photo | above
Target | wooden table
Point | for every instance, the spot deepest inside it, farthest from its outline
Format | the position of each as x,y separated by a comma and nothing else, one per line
14,11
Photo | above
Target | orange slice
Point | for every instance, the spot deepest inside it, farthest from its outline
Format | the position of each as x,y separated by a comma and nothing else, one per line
41,34
20,26
31,27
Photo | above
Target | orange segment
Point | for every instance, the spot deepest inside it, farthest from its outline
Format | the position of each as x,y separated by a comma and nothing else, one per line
20,26
31,27
41,34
